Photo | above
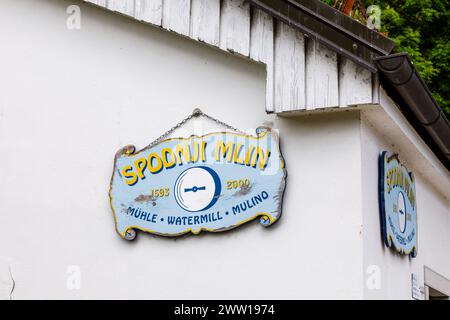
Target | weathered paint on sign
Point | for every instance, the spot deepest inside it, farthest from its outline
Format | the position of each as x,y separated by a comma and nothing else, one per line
398,205
215,182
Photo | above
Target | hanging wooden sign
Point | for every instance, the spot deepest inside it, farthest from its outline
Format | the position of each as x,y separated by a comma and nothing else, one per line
398,205
214,183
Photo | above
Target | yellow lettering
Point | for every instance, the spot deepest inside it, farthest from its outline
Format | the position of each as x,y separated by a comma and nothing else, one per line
237,151
248,157
203,151
140,165
168,163
159,164
262,156
128,172
196,154
184,152
223,150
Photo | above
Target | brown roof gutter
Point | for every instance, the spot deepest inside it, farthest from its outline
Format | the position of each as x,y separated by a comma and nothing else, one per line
371,50
405,85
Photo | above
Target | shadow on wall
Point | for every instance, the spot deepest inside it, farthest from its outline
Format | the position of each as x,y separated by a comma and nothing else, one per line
6,280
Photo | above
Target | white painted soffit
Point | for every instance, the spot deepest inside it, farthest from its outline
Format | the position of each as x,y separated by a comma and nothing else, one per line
388,120
302,75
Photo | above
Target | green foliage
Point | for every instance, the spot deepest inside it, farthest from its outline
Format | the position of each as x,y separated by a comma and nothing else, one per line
422,29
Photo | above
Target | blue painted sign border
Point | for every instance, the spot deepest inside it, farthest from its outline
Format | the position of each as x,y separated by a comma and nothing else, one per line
395,197
268,213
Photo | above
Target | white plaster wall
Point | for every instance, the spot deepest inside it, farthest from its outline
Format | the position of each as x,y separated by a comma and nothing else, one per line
70,99
433,217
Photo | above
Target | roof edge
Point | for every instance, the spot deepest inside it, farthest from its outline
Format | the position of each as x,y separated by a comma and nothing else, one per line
331,28
416,102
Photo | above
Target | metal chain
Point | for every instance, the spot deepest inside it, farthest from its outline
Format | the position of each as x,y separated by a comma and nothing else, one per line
196,113
220,122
